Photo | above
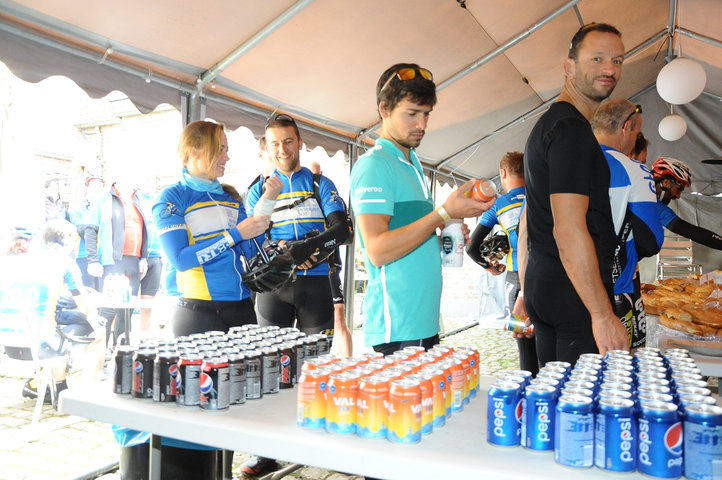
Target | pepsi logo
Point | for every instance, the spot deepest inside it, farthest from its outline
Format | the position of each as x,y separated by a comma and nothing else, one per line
206,383
178,380
543,417
518,411
138,367
673,439
626,435
285,360
173,370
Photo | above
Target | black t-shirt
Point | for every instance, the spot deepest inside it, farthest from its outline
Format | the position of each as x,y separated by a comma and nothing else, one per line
563,156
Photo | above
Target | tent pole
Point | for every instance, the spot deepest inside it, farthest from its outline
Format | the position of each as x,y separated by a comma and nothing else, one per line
699,37
350,260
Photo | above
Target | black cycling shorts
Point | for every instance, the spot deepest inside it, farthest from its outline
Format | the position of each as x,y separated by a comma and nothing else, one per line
150,283
305,303
200,316
630,310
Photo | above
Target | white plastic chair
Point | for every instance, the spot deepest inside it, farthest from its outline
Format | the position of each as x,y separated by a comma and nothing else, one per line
19,328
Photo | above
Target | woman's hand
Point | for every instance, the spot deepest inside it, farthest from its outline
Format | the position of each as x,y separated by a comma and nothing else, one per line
253,226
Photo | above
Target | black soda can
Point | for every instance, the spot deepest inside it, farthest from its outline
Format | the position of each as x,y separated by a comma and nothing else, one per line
188,379
123,369
143,373
271,372
165,372
254,373
310,348
287,365
323,345
298,351
215,383
237,365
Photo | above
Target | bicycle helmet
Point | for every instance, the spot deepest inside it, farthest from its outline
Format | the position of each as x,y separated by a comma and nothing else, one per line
494,248
270,269
677,169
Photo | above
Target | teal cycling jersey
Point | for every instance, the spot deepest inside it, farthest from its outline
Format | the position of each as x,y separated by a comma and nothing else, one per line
305,214
197,232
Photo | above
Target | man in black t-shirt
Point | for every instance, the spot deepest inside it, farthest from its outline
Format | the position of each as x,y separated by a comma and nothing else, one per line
566,276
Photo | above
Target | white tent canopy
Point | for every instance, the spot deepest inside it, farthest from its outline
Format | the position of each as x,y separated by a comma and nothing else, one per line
497,64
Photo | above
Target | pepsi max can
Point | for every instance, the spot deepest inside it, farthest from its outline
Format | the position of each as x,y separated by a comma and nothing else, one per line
237,368
143,373
298,352
310,348
660,440
703,442
574,431
615,435
537,421
270,372
254,370
123,369
165,371
287,365
188,379
323,344
215,383
503,422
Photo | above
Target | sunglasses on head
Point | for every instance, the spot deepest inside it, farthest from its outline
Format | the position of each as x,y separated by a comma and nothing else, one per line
405,74
637,109
280,117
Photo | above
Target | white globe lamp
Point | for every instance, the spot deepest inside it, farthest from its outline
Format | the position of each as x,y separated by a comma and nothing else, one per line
681,81
672,127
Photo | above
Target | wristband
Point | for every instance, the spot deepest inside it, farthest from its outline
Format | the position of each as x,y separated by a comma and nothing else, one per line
229,239
443,213
521,293
264,207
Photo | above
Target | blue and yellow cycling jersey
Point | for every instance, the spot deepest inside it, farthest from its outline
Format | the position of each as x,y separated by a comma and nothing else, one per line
506,212
306,215
197,232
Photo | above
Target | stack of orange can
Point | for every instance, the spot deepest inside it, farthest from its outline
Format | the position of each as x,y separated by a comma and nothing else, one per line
400,397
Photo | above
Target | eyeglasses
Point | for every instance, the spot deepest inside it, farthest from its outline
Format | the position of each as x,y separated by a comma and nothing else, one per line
406,74
280,117
637,109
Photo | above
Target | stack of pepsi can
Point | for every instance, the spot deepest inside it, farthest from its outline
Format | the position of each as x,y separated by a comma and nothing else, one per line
650,412
214,369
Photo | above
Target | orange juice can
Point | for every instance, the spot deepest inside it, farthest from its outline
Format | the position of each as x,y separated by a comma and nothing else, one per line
341,403
483,190
427,401
414,350
371,413
457,383
398,356
371,355
383,362
414,364
438,385
390,375
445,350
311,406
313,364
466,365
446,368
404,407
473,356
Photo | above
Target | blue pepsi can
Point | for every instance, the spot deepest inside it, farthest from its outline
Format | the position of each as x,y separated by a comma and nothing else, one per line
537,421
560,364
503,419
703,442
521,373
574,431
660,440
691,399
615,435
557,384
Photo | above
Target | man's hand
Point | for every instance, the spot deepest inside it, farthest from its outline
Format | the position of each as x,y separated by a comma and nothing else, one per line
272,187
458,205
342,338
95,269
609,333
496,269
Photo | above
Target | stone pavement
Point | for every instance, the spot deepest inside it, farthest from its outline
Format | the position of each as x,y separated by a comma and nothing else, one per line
67,447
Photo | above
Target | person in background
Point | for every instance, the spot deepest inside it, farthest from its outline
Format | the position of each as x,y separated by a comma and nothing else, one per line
616,125
396,219
202,225
80,217
505,213
341,333
116,239
150,282
671,176
641,146
566,278
46,274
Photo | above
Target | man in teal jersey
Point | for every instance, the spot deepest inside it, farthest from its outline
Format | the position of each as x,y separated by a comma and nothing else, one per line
396,217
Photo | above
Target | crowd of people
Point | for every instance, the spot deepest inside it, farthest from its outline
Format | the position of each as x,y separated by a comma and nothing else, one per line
580,209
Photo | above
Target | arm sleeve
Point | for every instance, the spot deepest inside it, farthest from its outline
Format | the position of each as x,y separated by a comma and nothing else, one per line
91,230
648,231
472,249
696,234
335,234
254,193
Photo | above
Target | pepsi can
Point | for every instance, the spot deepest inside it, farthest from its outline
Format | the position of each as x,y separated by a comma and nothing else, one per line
165,371
560,364
237,366
615,435
310,347
215,384
504,406
287,365
123,369
270,372
692,399
574,431
526,374
188,379
537,421
660,440
323,344
254,371
703,442
143,373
